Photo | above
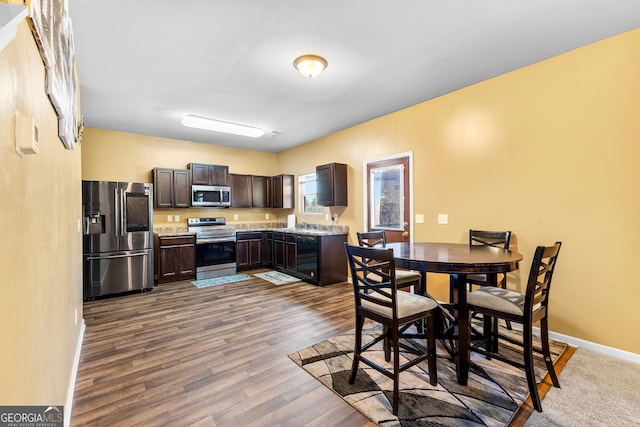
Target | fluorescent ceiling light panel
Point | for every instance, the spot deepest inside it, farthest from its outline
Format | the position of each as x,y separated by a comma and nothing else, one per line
220,126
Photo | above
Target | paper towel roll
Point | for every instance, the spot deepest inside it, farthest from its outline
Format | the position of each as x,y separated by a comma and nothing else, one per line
291,221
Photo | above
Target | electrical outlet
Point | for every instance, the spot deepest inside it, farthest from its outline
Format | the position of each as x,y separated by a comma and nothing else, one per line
419,218
266,216
326,217
443,219
177,218
169,218
235,217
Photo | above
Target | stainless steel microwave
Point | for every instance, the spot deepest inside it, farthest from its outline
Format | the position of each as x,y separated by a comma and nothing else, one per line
210,196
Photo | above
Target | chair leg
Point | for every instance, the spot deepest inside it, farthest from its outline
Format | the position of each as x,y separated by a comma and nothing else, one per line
488,323
528,366
358,348
386,344
546,352
396,369
431,349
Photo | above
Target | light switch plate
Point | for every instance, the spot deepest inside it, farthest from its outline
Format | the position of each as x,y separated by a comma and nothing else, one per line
169,218
443,219
419,218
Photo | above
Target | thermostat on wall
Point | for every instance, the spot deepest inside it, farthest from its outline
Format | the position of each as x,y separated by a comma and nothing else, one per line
26,135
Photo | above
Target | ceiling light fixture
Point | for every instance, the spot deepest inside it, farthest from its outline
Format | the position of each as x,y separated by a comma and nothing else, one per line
220,126
310,65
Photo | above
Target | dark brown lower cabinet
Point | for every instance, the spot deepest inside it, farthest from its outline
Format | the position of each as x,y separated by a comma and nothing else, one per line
175,258
320,260
250,249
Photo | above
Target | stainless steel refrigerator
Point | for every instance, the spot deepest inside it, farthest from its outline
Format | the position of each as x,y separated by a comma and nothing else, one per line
117,237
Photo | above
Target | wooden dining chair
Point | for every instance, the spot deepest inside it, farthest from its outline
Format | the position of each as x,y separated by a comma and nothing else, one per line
496,239
533,306
381,302
404,278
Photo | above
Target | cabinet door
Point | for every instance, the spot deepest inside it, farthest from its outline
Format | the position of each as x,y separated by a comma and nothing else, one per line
242,253
199,173
269,249
187,254
260,191
282,192
163,188
278,253
240,190
331,183
182,189
291,256
255,253
168,263
219,175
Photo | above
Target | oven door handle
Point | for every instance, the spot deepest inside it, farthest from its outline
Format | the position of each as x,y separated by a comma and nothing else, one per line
216,240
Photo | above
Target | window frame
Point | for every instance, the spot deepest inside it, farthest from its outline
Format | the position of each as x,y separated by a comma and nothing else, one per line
303,180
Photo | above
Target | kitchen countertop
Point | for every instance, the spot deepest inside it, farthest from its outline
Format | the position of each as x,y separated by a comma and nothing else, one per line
310,229
172,230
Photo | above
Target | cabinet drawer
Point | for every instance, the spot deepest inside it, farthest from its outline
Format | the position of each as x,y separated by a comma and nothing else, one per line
290,237
249,235
278,236
176,240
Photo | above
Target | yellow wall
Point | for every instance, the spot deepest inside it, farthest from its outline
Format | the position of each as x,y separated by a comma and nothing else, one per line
119,156
548,151
41,262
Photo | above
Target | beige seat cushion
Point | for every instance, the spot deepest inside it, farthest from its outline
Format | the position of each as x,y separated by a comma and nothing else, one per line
408,305
403,277
498,299
407,276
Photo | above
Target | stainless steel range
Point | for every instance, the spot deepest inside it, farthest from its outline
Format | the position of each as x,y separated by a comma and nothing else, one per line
215,247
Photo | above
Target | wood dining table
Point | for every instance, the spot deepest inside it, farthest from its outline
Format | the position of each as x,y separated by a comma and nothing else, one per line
457,260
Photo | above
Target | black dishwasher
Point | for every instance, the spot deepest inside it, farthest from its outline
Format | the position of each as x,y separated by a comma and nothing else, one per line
308,257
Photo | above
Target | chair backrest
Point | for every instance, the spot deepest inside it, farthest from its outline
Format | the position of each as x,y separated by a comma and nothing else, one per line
539,283
370,239
497,239
373,276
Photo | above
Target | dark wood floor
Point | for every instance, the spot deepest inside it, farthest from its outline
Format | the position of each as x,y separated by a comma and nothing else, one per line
215,356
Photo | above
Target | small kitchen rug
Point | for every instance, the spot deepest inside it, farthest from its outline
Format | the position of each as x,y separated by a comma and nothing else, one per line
494,393
276,277
205,283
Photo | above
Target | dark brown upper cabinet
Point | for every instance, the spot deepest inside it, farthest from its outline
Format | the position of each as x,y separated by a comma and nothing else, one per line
171,188
331,180
205,174
240,190
282,192
260,191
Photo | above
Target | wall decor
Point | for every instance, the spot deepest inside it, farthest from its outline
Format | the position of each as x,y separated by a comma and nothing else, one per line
40,21
51,26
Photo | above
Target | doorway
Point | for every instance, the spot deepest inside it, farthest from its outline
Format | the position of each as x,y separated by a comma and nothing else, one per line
388,190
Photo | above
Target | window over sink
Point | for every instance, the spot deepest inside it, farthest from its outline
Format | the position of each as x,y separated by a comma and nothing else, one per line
309,194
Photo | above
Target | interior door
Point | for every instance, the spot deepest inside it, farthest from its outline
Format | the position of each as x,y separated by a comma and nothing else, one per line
388,197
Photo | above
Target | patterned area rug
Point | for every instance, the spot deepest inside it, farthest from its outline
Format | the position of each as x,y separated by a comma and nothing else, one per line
492,397
205,283
276,277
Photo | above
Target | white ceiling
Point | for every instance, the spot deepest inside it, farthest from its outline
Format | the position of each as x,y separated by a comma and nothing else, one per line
144,64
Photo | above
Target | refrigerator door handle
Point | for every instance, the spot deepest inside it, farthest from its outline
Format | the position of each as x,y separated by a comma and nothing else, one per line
123,206
116,204
94,258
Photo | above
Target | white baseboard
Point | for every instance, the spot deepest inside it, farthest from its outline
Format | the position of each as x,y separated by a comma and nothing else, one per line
74,373
580,343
